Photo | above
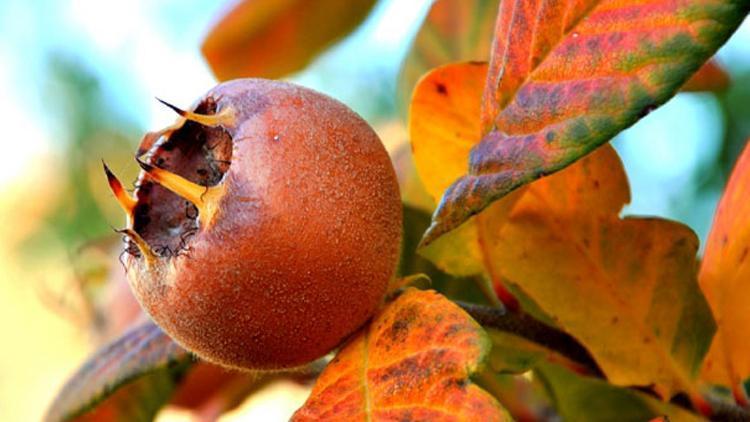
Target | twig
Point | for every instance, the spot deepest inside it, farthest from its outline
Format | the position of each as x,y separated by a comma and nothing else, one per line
525,326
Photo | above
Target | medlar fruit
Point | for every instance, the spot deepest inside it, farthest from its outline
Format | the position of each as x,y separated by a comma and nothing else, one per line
264,227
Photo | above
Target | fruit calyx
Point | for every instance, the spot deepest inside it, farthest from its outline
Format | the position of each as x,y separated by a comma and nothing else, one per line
178,193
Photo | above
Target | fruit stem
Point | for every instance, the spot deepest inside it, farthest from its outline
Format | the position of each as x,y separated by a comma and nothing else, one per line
523,325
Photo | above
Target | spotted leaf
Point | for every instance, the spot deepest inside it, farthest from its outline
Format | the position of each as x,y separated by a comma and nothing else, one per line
413,362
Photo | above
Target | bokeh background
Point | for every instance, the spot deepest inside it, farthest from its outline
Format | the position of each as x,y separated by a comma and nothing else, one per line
77,85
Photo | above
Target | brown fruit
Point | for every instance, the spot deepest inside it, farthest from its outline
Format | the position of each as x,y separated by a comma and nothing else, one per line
285,232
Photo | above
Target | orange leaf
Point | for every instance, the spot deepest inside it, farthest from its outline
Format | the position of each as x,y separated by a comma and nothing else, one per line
411,363
271,38
566,76
443,127
444,122
625,288
724,276
453,31
710,77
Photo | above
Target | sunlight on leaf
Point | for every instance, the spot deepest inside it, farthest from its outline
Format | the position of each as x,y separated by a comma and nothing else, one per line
453,31
724,276
413,362
443,127
565,77
145,356
271,38
444,123
625,288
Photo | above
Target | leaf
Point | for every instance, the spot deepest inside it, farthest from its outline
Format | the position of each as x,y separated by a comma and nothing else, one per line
625,288
139,400
512,354
444,122
411,363
583,399
575,205
524,397
453,31
724,276
271,38
710,77
415,221
145,355
443,127
566,76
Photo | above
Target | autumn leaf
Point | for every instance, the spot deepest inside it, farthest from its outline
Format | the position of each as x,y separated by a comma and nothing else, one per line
271,38
138,372
453,31
443,127
565,77
626,288
724,276
412,362
710,77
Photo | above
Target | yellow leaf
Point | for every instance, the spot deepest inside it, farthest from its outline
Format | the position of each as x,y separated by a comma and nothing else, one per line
444,122
625,288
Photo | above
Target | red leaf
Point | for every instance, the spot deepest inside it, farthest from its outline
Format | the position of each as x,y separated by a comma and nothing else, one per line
566,76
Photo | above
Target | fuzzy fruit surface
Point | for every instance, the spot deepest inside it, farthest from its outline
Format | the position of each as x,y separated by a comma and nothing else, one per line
304,239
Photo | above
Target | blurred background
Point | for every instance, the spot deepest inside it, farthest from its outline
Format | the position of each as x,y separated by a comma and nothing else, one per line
78,80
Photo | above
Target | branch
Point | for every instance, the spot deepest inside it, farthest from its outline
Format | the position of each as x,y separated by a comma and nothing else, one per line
523,325
726,412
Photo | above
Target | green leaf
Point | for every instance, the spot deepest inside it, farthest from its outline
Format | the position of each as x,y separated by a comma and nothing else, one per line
583,399
138,371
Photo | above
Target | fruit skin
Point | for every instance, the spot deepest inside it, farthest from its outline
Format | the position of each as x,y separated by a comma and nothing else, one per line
304,241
